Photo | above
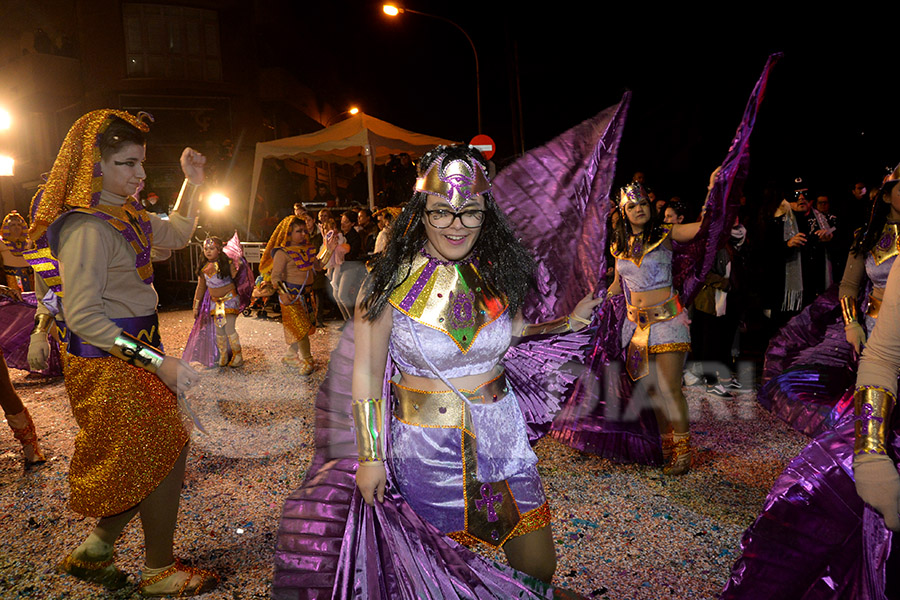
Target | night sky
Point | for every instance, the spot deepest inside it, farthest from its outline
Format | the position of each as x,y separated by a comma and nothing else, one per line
827,115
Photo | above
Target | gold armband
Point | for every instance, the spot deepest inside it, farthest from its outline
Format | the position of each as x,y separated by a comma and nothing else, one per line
137,353
848,310
368,415
42,323
872,406
188,202
559,325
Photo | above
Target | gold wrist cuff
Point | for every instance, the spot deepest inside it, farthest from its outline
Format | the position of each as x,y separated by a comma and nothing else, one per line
578,319
848,310
42,323
872,406
368,416
188,202
560,325
137,353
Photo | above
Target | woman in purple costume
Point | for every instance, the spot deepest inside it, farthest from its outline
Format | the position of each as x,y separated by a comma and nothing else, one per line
443,448
811,364
656,331
816,536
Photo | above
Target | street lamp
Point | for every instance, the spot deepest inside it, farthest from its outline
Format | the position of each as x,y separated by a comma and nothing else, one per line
352,111
393,10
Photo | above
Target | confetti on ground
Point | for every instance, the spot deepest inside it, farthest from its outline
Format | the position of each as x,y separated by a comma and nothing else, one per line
622,531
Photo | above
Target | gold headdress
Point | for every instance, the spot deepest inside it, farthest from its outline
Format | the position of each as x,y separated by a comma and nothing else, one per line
634,193
456,182
75,181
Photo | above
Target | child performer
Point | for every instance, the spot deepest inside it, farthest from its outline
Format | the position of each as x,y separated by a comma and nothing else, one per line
223,291
294,260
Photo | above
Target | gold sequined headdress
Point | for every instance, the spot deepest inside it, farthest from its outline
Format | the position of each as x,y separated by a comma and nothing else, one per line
634,193
75,181
7,223
456,182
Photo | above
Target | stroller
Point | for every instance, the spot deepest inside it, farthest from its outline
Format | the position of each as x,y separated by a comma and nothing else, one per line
263,299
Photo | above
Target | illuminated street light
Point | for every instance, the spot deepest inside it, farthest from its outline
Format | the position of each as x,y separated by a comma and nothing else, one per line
394,10
5,119
6,165
353,110
218,201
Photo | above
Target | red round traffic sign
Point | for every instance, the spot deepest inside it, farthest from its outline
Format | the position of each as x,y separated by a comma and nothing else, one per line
485,144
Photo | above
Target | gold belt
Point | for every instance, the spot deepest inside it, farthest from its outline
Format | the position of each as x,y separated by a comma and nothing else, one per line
445,408
637,361
873,307
219,310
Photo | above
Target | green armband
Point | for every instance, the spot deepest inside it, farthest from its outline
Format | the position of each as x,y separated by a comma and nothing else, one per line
137,353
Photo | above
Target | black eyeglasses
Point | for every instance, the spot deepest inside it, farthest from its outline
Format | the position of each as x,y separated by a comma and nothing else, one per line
798,193
442,219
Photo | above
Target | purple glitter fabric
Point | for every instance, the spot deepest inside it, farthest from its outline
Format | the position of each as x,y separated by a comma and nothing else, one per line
815,538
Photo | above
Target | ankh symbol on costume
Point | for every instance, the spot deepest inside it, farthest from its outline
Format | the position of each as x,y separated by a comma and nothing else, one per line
487,500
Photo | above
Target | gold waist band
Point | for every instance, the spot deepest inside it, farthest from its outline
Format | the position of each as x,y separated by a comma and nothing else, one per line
637,361
444,408
644,316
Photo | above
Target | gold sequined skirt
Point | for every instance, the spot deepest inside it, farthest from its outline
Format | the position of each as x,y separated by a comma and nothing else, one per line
296,322
131,433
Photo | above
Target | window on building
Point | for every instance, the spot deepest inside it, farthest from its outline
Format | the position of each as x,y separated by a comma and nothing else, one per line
172,42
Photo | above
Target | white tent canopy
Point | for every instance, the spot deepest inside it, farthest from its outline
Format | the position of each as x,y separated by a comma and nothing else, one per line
344,142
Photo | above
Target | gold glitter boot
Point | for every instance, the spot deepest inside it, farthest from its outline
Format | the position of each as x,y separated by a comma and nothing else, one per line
679,461
154,584
102,570
306,366
23,430
668,444
237,359
222,345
